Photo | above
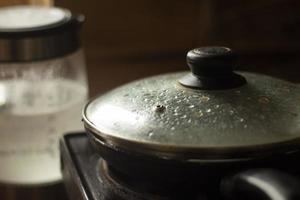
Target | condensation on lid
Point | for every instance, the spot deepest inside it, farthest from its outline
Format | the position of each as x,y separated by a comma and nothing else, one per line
20,17
157,111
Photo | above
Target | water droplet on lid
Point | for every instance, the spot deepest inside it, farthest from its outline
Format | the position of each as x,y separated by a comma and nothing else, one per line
217,106
263,100
294,114
242,120
245,126
231,112
159,108
223,125
262,117
204,98
191,106
189,121
200,113
183,117
208,110
150,133
172,128
286,89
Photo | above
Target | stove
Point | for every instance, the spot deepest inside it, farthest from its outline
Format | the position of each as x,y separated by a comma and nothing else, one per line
88,177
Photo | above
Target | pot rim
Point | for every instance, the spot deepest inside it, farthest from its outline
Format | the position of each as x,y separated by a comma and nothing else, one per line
192,154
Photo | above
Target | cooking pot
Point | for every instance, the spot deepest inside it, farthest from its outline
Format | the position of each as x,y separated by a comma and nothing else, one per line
212,125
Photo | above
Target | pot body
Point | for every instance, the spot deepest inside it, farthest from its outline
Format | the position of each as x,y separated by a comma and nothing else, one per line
172,170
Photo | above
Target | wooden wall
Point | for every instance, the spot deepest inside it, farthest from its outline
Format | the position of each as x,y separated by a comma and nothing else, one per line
126,40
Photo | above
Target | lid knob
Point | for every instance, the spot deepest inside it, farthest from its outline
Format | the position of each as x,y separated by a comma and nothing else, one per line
211,61
212,69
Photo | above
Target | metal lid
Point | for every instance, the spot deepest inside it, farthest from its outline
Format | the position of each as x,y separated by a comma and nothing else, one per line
29,33
160,116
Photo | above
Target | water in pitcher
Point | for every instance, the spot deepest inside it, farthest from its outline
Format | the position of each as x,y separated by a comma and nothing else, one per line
33,116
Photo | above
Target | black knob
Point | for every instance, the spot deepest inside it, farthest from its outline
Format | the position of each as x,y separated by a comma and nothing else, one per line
211,61
212,68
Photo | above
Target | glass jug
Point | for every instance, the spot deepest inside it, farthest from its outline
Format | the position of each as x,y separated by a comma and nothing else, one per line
43,87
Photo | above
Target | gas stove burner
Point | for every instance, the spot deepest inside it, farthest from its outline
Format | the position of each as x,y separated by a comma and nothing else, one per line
88,177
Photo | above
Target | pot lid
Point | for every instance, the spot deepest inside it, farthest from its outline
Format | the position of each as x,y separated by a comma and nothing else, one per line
211,113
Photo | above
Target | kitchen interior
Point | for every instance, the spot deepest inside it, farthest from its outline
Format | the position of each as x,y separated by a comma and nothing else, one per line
125,41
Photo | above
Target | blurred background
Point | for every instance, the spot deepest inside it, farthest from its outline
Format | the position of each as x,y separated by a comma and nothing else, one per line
127,40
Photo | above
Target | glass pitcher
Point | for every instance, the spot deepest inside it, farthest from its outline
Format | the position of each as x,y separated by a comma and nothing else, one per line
43,87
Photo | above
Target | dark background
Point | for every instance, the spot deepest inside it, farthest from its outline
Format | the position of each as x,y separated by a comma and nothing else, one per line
126,40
